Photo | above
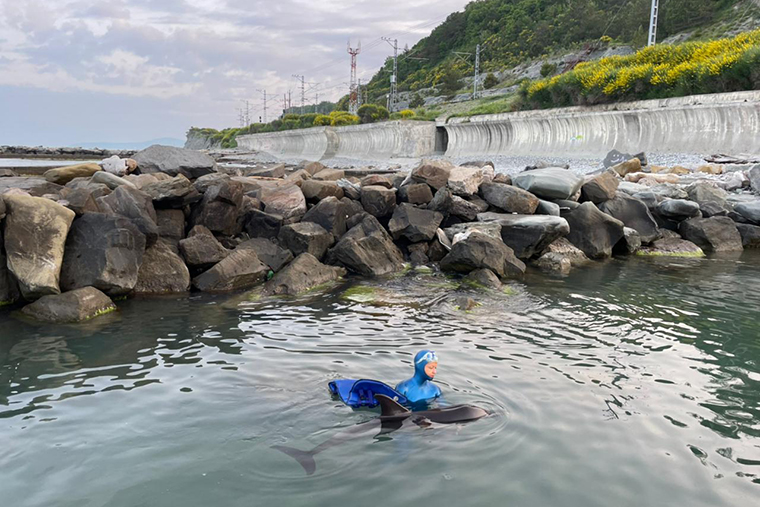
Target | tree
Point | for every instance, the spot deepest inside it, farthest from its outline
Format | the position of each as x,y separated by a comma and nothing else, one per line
490,81
450,79
322,120
417,101
371,113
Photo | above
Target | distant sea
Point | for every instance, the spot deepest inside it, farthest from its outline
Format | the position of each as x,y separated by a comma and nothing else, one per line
166,141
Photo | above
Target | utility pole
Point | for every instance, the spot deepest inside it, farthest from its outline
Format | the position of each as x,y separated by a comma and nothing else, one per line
653,23
303,90
265,103
353,96
359,100
284,104
316,97
476,82
393,95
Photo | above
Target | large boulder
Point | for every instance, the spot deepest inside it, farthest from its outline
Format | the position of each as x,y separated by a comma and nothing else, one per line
630,243
594,232
268,252
35,237
678,210
562,247
703,192
259,224
70,307
415,193
62,175
414,224
552,262
753,174
173,161
509,198
177,192
378,201
466,210
201,249
306,237
315,190
716,234
8,286
600,188
171,224
550,183
163,271
241,269
634,213
750,235
367,249
103,251
629,166
433,172
481,251
36,187
79,200
465,181
528,235
331,214
329,174
456,231
220,207
133,204
304,273
287,202
749,210
111,180
671,246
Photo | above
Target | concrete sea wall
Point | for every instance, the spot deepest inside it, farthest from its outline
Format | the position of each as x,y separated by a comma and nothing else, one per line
405,139
717,123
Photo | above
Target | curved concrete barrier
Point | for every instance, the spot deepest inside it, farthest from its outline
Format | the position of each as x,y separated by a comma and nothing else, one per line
728,123
308,144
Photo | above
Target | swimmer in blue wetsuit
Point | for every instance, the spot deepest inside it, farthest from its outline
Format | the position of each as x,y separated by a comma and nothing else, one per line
420,387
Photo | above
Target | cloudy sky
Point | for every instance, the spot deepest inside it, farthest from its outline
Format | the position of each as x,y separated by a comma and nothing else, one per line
77,71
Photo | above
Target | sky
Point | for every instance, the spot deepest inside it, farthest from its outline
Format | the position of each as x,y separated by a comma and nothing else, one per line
80,71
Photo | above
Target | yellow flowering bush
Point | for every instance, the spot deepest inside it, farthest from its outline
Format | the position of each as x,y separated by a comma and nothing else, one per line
663,70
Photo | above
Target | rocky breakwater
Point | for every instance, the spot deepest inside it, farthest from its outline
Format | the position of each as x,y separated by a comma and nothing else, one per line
169,221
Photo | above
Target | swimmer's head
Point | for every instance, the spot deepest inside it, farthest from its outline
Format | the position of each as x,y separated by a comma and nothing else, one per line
426,364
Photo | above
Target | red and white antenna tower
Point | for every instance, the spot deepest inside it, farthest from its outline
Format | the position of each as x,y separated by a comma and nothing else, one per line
353,91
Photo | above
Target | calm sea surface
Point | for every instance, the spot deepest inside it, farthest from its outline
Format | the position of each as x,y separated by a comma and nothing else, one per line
630,383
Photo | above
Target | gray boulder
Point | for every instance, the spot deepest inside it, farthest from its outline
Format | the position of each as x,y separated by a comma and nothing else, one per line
241,269
480,251
528,235
286,201
103,251
367,249
268,252
414,224
331,214
678,209
8,286
634,213
416,193
177,192
702,192
433,172
552,262
754,178
304,273
550,183
376,179
630,244
466,210
79,200
36,187
259,224
133,204
594,232
509,198
163,271
547,208
671,247
202,251
220,207
465,181
600,188
483,278
442,201
306,237
750,211
573,254
110,180
171,224
378,201
750,235
712,209
173,161
35,237
70,307
315,190
716,234
492,229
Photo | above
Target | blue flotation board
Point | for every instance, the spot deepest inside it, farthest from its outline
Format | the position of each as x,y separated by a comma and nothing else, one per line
361,393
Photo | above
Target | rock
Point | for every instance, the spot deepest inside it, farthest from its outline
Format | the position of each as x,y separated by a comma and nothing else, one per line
378,201
632,188
241,269
111,180
712,209
162,271
433,172
565,205
79,200
258,224
630,166
480,251
275,171
465,181
95,189
7,173
652,179
508,198
173,161
36,187
306,237
414,224
367,249
171,224
377,180
594,232
678,209
502,178
304,273
566,249
671,247
314,190
734,181
143,180
63,175
750,236
329,175
453,233
103,251
710,169
220,207
634,213
209,180
648,197
202,251
418,254
350,189
483,278
287,202
330,213
716,234
35,235
528,235
352,207
465,303
600,188
135,205
548,208
703,192
750,211
416,193
552,262
74,306
463,209
177,192
442,201
753,174
630,243
436,251
550,183
313,167
269,252
8,287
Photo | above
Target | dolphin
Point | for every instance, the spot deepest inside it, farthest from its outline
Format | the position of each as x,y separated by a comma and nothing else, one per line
392,417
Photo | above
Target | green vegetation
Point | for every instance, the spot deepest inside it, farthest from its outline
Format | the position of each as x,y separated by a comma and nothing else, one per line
490,81
371,113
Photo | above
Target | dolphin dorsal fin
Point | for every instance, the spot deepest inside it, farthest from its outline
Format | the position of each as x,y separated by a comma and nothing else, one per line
389,407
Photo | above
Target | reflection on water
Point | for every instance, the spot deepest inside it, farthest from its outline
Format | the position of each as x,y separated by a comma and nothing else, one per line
632,382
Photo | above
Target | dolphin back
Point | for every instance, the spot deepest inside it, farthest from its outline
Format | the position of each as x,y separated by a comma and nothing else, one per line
304,458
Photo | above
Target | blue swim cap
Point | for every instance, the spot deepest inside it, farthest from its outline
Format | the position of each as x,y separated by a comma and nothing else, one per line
422,358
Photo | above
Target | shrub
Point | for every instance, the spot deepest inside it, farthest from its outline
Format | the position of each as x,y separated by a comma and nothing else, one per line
322,120
307,120
341,120
370,113
490,81
417,101
548,69
406,114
